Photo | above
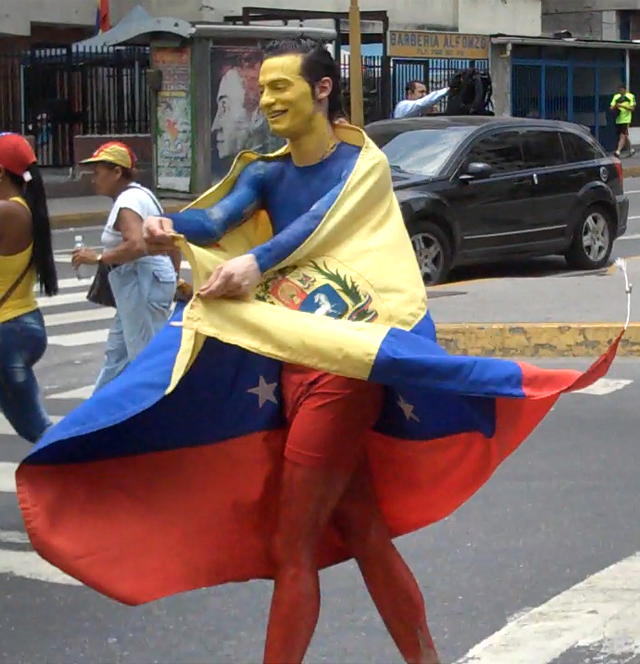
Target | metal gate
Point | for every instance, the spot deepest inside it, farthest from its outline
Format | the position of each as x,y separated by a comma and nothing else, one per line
434,72
49,89
56,93
578,89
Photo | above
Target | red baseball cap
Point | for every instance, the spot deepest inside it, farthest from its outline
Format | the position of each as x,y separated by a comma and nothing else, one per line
113,152
16,154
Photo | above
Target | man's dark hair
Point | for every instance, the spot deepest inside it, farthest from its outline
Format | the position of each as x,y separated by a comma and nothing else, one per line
317,63
411,86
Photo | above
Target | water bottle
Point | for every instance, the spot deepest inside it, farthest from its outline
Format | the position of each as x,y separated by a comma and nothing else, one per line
82,271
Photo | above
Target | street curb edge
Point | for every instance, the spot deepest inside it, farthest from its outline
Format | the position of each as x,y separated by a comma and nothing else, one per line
97,219
537,339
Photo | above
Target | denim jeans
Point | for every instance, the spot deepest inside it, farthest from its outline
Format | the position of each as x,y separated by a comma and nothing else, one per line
143,291
23,341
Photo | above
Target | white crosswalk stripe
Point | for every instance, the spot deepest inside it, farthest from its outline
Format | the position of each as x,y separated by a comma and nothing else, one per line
73,321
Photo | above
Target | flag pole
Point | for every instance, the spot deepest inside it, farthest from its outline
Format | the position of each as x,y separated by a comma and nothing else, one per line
355,65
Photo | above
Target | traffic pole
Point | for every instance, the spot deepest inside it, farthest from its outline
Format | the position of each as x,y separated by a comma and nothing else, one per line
355,65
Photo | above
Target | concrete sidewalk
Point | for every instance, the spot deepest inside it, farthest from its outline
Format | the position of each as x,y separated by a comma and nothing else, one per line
92,210
631,165
558,314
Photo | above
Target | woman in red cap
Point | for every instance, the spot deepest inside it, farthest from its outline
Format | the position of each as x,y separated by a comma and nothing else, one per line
26,257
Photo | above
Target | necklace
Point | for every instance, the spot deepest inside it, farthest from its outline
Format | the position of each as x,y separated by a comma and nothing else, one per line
330,150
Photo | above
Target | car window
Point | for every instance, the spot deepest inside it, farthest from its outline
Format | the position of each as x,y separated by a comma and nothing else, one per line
580,149
502,151
542,148
424,151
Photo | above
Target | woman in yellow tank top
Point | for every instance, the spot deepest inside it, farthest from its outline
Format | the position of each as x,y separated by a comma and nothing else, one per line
26,258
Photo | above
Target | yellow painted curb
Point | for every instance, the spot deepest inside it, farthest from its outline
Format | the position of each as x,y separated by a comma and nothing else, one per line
631,171
97,218
537,339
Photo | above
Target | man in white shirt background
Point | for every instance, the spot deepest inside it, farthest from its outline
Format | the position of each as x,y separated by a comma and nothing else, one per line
418,101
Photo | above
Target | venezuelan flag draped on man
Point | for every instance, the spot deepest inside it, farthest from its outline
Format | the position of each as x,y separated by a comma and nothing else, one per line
167,479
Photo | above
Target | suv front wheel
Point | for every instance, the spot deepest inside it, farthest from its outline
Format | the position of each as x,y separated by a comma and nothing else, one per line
593,240
433,251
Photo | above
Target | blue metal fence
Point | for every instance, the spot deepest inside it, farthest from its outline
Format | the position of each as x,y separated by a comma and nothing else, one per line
576,89
434,72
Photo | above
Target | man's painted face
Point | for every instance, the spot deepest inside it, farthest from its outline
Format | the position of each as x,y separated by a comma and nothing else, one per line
286,98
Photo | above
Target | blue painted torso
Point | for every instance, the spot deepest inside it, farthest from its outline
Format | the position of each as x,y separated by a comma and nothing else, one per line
296,199
289,191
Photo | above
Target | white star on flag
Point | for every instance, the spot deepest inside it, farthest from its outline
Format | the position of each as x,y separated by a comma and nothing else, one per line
407,409
265,392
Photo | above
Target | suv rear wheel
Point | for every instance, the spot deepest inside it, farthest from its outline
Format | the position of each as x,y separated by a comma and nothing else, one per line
593,240
433,251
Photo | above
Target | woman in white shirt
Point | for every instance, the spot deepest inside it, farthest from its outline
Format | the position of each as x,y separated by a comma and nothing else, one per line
143,286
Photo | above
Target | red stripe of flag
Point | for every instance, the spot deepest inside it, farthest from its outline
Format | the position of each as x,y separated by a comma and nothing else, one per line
103,22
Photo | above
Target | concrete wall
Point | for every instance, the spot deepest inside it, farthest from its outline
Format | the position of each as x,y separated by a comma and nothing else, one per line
512,17
501,75
16,16
560,6
402,13
474,16
521,17
589,24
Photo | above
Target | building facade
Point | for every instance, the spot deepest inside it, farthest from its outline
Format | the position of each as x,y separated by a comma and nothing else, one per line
523,17
608,20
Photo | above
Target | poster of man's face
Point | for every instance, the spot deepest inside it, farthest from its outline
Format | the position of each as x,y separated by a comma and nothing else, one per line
238,124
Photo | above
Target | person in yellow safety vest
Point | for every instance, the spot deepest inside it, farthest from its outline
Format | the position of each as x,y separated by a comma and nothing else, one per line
624,103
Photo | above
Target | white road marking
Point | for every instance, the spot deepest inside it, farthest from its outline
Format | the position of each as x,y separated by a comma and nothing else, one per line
602,611
29,565
71,282
84,316
634,236
66,258
605,386
63,298
8,477
13,537
80,393
7,430
615,638
79,338
63,255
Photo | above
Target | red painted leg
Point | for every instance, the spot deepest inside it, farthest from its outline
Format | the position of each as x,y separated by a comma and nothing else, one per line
391,584
309,496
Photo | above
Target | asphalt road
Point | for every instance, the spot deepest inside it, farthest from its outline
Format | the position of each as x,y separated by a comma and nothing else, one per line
504,577
626,247
563,508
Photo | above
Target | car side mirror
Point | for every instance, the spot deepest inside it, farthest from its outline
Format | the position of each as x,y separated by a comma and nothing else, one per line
476,170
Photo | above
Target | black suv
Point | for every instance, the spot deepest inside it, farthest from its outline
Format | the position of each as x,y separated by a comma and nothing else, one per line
483,189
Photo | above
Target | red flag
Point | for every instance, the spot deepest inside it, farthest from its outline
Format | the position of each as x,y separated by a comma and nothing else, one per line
102,16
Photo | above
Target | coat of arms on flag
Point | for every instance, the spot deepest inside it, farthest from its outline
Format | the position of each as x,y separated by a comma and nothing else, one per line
321,287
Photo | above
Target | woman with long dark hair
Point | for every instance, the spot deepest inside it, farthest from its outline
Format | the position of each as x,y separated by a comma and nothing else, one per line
26,259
